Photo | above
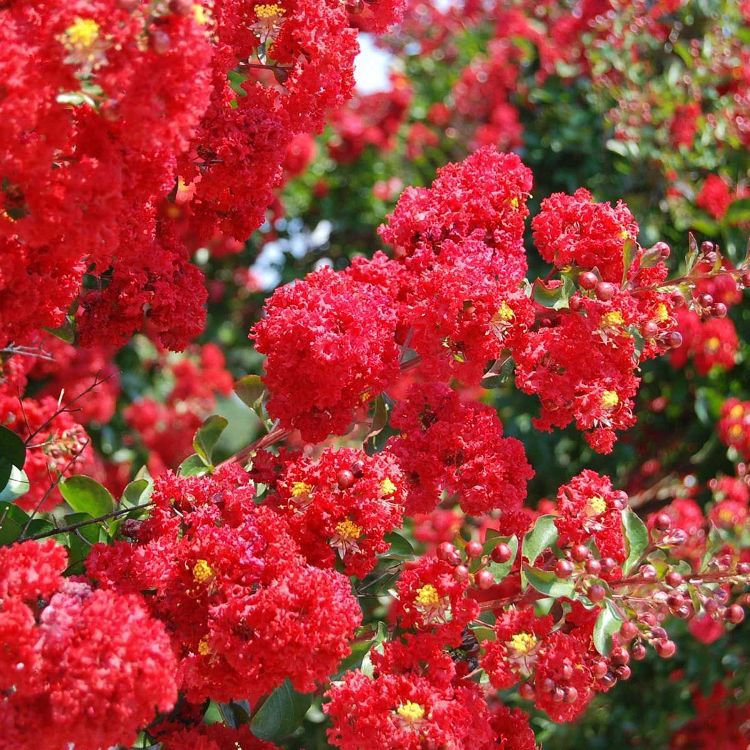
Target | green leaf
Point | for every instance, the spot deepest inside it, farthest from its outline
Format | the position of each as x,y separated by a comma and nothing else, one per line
543,535
207,436
12,448
555,297
693,254
607,624
401,547
193,466
281,714
636,539
548,583
629,251
86,495
12,522
738,212
16,485
379,417
136,493
500,570
377,645
250,389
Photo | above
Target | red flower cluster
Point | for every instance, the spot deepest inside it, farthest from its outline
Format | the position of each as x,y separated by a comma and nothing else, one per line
341,506
83,667
714,196
709,344
455,446
339,332
243,609
734,426
123,147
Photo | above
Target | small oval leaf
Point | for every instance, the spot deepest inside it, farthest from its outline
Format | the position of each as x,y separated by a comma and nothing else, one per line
86,495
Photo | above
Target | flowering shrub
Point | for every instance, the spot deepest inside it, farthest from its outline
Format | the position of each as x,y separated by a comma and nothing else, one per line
477,480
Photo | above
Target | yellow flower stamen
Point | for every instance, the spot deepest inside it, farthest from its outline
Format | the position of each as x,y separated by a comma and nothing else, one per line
82,33
271,10
662,314
387,487
612,319
300,489
427,596
505,312
610,399
515,202
348,530
596,506
737,412
522,643
410,711
203,648
713,344
203,572
735,431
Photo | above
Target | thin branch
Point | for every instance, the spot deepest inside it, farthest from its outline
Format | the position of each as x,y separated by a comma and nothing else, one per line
89,521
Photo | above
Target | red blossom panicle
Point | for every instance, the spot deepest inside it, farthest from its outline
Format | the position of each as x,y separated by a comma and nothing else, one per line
709,344
734,426
341,506
582,369
413,701
574,229
456,446
511,729
210,737
244,610
56,446
339,333
431,600
589,509
714,196
512,656
86,668
166,428
483,197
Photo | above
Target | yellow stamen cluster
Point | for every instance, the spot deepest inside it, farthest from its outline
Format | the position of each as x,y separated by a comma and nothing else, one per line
514,202
348,530
203,648
427,596
662,314
269,11
387,487
735,431
596,506
505,312
300,489
522,643
713,344
82,33
612,319
410,711
610,399
203,572
737,412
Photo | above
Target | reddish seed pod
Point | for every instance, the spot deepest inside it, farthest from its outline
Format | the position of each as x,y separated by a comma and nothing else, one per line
721,595
659,633
160,41
623,672
567,671
445,550
563,569
685,612
548,685
629,630
181,7
677,299
673,579
129,5
648,572
665,649
650,329
574,303
474,549
454,559
675,600
580,552
638,652
608,680
597,593
608,564
619,656
345,479
502,553
571,695
358,469
461,573
734,614
663,521
605,291
484,579
593,567
743,568
705,300
587,280
599,669
674,339
719,310
559,695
